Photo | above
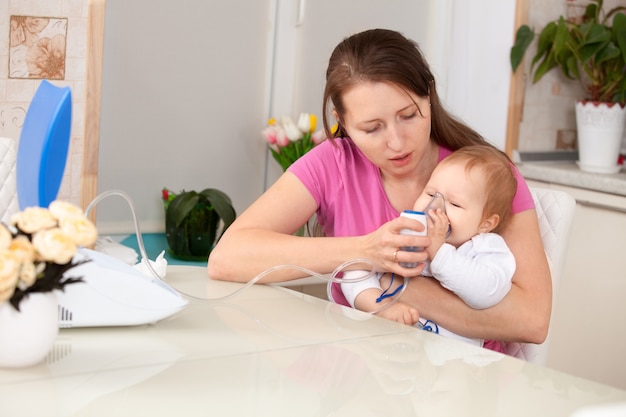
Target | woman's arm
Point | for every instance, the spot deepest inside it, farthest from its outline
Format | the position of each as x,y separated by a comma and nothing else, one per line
262,237
523,315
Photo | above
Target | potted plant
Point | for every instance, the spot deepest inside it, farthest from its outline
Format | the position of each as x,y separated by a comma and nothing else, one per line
192,220
590,48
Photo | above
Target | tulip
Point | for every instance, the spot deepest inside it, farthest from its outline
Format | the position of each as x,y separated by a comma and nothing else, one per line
292,131
318,137
312,123
269,133
304,122
288,141
282,138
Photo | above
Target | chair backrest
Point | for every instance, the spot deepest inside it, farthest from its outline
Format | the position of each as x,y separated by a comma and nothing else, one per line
8,187
555,212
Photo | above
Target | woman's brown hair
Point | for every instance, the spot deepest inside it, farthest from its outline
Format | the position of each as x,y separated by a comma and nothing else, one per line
381,55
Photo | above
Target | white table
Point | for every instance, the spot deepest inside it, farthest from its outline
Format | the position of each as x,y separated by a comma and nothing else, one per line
271,351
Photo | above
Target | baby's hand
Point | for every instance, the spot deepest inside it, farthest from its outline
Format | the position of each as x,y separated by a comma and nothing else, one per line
438,226
400,312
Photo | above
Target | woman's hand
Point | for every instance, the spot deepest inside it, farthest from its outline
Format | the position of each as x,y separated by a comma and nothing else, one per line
383,247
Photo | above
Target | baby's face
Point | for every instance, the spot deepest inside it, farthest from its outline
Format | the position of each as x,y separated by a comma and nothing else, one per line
465,196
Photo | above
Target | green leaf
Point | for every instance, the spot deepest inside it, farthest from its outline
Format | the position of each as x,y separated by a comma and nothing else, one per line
597,34
610,51
571,71
523,39
619,29
213,194
544,50
222,205
544,67
562,41
181,206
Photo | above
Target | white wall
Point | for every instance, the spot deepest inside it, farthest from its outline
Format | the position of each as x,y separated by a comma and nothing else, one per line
479,70
182,104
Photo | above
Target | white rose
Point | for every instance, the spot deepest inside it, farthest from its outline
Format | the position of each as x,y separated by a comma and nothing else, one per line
80,229
63,210
5,237
53,245
6,294
33,219
9,268
28,275
22,249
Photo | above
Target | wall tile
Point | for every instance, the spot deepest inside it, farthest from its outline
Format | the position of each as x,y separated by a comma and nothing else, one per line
15,94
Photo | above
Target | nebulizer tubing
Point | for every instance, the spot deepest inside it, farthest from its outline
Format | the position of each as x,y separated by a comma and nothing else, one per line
129,201
331,278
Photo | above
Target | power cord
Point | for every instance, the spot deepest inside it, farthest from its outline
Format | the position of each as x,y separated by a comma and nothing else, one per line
330,278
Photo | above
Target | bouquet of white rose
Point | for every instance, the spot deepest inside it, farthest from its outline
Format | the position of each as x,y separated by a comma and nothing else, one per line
37,248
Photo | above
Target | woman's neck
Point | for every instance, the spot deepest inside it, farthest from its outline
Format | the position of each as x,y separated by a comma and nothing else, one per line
402,191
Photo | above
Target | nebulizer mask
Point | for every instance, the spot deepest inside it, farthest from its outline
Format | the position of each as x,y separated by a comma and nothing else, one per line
436,202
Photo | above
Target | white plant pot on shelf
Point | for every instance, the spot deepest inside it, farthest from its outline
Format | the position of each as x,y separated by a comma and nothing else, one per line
600,131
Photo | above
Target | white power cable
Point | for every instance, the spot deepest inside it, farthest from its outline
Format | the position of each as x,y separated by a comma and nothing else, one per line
330,278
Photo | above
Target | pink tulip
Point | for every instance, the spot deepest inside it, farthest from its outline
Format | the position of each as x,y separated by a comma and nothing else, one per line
269,133
318,137
281,137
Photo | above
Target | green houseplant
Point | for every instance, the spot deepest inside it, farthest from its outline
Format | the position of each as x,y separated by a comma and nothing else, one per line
192,220
590,48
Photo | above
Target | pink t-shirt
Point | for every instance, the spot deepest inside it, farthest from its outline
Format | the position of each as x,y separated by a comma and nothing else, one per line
349,191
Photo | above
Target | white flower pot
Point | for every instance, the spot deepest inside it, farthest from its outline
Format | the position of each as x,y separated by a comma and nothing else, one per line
27,335
600,131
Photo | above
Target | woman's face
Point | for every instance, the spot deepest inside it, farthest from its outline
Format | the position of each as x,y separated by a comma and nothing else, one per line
385,123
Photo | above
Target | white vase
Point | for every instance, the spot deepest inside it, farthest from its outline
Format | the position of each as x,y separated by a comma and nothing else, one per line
27,335
600,130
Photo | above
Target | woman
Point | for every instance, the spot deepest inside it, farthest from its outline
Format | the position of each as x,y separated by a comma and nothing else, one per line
392,133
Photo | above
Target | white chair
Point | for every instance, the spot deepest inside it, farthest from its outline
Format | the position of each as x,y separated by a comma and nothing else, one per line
555,211
8,187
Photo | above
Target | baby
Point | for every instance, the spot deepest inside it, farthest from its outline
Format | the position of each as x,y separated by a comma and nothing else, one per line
466,254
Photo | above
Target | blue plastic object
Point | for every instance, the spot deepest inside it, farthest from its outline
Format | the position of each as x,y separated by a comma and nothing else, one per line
44,142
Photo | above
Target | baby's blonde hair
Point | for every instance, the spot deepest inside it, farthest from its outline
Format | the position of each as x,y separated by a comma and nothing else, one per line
501,184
